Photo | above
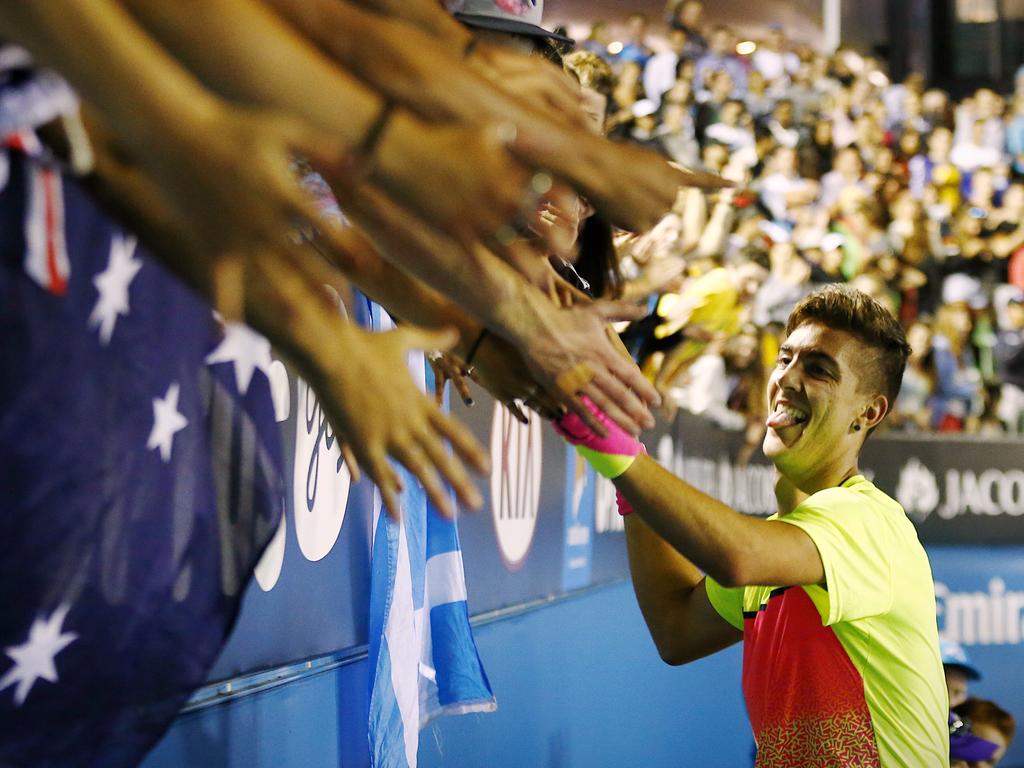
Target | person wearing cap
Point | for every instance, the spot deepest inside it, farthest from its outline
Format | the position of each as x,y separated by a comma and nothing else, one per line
497,19
1009,353
832,596
959,671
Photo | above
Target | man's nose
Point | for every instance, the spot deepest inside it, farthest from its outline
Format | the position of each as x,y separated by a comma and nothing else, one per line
788,377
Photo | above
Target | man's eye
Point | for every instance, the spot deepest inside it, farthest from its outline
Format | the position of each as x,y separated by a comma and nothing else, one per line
782,361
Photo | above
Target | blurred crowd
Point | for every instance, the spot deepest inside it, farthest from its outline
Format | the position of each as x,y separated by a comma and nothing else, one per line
840,174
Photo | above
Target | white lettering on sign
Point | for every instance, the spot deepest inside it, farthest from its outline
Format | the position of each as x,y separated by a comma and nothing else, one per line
321,481
991,492
981,618
515,483
268,569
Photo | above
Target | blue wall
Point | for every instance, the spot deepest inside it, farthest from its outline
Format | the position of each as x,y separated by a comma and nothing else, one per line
578,684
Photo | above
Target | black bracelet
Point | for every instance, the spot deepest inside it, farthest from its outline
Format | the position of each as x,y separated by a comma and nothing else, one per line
474,348
376,130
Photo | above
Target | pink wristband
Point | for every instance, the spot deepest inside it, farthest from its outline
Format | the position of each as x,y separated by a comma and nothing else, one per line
625,508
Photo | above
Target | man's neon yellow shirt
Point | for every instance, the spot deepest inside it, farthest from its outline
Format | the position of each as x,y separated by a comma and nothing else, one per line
846,673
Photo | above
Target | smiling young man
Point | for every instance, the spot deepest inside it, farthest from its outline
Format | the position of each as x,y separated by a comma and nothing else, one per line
833,595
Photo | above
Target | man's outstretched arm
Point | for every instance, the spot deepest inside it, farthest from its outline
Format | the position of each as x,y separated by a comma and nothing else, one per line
670,591
734,549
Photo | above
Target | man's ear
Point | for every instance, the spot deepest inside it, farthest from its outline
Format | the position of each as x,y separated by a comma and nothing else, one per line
874,411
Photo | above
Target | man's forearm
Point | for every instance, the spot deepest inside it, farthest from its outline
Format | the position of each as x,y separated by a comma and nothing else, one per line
662,579
732,548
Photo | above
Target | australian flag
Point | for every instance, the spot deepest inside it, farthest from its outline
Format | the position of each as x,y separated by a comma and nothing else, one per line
140,478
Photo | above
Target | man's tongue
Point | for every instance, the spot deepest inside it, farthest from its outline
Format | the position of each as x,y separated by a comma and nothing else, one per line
783,418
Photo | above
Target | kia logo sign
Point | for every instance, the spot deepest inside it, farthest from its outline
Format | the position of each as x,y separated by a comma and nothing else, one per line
515,483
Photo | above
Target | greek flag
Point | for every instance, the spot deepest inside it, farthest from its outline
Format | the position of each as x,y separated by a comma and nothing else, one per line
423,658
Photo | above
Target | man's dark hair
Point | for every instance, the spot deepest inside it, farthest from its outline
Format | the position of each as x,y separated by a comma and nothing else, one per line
844,308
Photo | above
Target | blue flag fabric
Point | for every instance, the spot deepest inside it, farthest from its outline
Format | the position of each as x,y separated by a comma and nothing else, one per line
423,658
140,478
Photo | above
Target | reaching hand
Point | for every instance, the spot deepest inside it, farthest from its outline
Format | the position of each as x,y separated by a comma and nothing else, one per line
631,186
576,353
447,368
370,397
229,179
532,79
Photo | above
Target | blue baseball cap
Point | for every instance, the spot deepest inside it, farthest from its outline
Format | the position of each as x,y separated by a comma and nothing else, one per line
954,655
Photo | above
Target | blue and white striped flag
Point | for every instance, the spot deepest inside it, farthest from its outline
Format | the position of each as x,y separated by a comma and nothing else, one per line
423,658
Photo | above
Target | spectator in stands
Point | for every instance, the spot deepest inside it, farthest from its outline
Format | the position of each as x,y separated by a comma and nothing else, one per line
911,412
709,107
1010,359
598,40
782,186
687,16
774,60
971,151
628,91
958,390
1015,135
676,135
634,46
733,128
782,124
991,722
661,70
759,102
720,57
595,77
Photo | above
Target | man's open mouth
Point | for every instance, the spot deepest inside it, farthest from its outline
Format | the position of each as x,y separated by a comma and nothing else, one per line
786,416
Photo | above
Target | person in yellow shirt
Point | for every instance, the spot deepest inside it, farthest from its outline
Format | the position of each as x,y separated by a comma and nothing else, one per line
832,596
708,307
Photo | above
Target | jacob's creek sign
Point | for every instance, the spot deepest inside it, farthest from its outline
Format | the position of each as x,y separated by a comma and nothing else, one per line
959,492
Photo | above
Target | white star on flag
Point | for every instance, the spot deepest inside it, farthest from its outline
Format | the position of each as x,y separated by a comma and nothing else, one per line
35,658
246,349
112,284
166,422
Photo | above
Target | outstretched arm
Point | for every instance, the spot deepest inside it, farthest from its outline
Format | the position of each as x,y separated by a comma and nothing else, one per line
670,591
735,549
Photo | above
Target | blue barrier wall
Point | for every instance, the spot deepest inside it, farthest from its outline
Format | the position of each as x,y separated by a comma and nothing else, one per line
578,682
